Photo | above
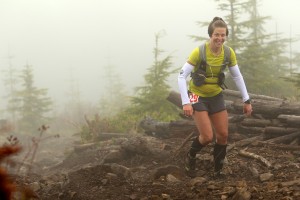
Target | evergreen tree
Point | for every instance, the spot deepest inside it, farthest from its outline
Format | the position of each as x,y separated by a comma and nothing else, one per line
74,106
114,99
151,98
295,63
10,83
34,103
294,78
264,59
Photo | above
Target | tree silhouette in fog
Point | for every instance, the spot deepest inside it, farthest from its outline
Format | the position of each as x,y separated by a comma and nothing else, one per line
33,103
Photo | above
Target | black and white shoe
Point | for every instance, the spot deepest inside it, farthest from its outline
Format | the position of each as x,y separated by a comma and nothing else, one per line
219,175
190,165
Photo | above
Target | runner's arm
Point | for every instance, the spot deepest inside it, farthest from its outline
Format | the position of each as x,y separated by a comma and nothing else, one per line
184,73
239,81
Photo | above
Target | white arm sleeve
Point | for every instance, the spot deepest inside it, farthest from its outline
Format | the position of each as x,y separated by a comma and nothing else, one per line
184,73
239,81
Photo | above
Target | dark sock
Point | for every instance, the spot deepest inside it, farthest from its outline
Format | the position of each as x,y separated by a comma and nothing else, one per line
219,156
195,147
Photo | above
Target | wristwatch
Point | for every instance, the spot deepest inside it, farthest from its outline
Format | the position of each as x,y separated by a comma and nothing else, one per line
248,101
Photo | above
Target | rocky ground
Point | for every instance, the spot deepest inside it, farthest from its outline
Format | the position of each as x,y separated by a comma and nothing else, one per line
148,168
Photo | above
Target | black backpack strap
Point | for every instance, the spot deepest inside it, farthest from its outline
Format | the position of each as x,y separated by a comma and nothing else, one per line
227,60
202,56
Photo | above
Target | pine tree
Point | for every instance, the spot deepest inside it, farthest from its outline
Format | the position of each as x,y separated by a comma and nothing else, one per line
114,99
10,82
34,103
294,76
150,99
264,59
295,63
73,108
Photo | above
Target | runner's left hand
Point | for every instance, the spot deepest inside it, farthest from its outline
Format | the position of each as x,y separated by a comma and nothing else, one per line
247,110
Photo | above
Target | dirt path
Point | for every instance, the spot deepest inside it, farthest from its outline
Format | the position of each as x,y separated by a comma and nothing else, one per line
142,167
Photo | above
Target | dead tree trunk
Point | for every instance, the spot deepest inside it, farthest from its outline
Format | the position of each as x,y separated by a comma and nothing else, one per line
285,139
274,120
273,132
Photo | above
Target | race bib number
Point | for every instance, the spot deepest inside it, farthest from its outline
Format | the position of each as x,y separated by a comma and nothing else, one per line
193,98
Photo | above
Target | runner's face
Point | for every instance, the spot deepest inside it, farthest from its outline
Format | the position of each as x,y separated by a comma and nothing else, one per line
218,37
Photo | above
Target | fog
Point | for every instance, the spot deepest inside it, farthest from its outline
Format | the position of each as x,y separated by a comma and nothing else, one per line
70,42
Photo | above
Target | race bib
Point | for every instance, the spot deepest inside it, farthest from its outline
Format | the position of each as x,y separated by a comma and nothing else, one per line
193,98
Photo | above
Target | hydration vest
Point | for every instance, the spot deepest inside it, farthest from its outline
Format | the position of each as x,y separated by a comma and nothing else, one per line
199,75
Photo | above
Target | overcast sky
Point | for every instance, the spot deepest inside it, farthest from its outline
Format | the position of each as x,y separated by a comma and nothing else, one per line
64,39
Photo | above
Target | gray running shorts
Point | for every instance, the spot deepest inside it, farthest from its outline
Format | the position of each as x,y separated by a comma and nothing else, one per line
210,104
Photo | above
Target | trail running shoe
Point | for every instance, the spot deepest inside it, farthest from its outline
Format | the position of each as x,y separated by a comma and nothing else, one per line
219,175
190,163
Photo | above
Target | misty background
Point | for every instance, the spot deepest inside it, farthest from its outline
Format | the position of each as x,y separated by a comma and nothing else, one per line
70,43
